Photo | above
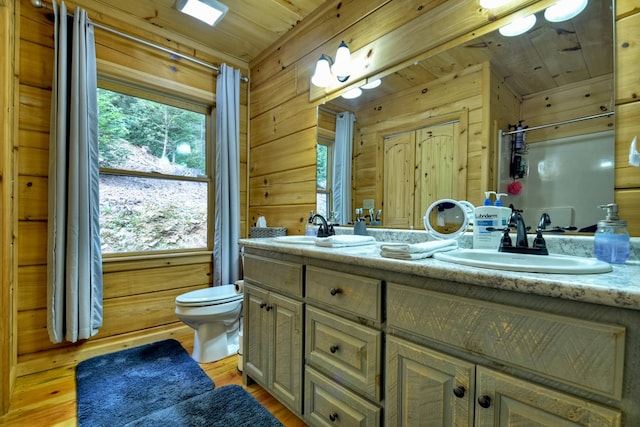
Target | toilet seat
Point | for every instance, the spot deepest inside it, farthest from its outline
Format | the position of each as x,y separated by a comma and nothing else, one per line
209,296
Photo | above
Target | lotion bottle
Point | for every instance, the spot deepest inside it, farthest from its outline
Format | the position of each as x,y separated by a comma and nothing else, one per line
505,211
611,242
487,217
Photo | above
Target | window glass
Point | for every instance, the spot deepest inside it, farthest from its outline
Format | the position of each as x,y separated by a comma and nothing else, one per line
323,177
154,180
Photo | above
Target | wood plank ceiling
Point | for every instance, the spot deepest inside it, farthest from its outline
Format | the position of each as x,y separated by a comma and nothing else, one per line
249,27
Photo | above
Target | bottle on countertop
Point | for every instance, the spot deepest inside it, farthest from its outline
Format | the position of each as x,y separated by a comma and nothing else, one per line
488,219
311,229
611,242
505,211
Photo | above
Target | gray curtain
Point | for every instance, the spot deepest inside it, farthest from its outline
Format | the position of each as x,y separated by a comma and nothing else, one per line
341,176
74,263
226,255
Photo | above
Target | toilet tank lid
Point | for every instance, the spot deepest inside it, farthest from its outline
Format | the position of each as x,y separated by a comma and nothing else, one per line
216,294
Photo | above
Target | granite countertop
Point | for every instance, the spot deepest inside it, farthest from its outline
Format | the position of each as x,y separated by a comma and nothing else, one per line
618,288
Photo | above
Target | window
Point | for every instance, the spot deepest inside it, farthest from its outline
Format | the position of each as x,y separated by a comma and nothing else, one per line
324,157
155,179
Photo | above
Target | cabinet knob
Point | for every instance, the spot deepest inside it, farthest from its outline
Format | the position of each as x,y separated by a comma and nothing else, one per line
484,401
333,417
333,348
335,291
459,391
263,305
269,307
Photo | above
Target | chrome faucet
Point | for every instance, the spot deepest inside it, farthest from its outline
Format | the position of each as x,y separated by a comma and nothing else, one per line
325,230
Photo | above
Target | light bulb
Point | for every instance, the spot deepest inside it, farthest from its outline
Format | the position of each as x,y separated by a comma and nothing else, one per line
372,84
353,93
322,76
564,10
342,66
519,26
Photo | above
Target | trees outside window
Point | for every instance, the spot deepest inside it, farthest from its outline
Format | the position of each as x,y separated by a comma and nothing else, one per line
155,179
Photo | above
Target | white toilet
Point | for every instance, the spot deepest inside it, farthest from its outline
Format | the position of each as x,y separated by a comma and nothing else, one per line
214,314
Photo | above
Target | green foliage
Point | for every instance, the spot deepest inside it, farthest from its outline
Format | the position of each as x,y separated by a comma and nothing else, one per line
161,128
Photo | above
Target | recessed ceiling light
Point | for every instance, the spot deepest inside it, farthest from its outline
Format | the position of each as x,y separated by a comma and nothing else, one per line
209,11
372,84
353,93
519,26
564,10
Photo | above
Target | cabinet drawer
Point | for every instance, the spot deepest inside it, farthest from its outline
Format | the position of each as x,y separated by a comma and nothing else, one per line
344,350
275,274
328,404
357,295
557,347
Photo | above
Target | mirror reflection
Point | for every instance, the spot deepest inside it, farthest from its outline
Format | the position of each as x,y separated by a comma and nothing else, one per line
434,129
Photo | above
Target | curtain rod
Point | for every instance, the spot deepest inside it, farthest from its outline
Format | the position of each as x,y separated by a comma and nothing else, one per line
40,4
580,119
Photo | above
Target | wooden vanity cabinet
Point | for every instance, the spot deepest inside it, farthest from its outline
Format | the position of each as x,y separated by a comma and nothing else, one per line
425,387
272,326
343,349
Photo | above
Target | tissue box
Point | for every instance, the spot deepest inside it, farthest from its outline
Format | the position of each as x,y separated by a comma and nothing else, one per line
267,231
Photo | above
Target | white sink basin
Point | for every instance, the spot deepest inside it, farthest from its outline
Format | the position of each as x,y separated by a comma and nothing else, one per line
563,264
296,240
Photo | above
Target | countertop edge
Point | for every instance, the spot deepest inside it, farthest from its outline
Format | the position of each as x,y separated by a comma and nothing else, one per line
611,289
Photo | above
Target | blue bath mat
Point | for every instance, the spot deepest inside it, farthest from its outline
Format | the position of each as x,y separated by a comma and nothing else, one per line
121,387
228,406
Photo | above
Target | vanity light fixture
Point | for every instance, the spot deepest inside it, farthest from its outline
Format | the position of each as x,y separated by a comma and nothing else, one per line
372,84
352,93
209,11
564,10
327,70
519,26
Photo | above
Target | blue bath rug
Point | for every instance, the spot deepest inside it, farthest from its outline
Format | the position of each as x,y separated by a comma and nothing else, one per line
227,406
121,387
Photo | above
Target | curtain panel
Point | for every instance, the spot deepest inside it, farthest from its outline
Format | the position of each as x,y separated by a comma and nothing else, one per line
74,263
226,253
341,175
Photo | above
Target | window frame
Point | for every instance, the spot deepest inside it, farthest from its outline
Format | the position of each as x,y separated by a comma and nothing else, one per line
330,144
177,101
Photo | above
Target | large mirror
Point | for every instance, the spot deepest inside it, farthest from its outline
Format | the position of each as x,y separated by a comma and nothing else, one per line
439,129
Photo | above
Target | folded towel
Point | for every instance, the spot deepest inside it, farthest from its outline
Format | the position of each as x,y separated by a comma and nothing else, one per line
417,250
344,240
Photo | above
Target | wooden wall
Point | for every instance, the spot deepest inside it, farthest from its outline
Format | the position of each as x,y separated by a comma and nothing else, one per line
627,56
139,292
7,217
384,36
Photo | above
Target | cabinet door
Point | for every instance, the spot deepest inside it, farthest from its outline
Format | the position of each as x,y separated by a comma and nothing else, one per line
257,328
427,388
286,380
503,400
399,162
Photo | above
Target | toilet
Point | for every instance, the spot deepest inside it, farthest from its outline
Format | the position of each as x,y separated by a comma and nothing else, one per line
214,314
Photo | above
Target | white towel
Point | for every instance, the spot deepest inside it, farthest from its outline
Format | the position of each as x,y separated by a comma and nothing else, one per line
344,240
417,250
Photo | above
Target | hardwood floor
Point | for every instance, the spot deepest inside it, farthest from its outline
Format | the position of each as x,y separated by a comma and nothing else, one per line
49,398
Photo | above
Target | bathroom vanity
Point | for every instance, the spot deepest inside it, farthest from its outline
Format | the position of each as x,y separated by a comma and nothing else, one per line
344,336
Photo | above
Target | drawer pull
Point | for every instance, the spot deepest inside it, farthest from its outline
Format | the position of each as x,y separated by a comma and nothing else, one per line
263,305
333,417
269,307
484,401
335,291
459,391
333,348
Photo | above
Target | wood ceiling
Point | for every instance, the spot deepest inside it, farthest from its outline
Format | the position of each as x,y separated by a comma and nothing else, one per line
548,56
249,27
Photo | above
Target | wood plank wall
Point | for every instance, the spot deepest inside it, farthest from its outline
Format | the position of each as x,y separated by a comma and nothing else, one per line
383,36
139,292
627,56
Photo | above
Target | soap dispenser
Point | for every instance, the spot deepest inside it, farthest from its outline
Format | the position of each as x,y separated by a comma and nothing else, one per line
311,229
611,241
505,212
